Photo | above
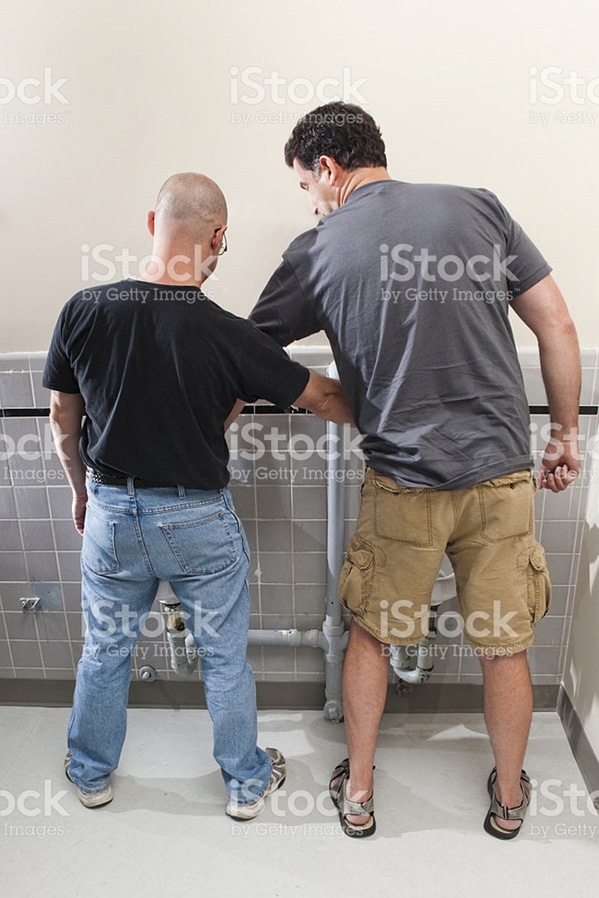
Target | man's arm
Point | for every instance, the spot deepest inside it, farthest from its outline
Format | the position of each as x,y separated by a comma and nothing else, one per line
325,397
66,412
543,309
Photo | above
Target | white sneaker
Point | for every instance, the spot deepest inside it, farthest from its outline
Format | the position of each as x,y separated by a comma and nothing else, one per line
254,808
89,799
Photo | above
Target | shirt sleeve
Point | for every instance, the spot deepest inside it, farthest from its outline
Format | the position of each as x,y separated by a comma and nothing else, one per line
58,371
524,264
267,372
282,310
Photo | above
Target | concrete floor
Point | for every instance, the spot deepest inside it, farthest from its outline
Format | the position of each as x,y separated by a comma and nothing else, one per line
166,832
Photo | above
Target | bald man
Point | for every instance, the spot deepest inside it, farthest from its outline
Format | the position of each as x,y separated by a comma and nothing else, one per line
144,374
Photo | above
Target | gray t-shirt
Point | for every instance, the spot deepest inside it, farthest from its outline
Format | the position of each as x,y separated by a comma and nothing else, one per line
411,284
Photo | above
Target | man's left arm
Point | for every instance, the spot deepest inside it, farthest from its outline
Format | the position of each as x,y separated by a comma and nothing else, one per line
66,413
543,309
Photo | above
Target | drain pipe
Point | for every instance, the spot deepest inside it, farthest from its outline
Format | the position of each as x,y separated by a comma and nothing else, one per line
417,667
333,637
183,650
334,632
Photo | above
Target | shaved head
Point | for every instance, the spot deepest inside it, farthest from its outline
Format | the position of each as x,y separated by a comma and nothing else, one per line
190,204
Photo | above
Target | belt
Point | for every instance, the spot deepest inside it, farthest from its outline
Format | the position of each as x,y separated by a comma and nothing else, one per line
138,482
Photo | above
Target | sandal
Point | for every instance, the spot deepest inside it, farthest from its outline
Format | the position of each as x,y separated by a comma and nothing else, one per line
504,813
345,806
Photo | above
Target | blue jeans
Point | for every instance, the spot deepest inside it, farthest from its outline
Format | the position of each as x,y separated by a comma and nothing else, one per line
134,538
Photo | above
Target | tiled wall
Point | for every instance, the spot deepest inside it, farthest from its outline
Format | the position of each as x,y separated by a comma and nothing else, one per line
278,483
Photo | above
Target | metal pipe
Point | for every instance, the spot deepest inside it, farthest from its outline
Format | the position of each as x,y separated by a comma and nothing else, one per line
292,637
334,633
420,670
183,650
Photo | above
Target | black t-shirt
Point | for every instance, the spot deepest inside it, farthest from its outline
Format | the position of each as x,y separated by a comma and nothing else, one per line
160,368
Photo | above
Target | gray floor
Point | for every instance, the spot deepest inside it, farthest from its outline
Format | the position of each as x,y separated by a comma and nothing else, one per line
166,833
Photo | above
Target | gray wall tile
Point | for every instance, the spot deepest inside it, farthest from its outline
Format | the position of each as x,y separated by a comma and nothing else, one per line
52,625
10,536
273,503
291,534
67,538
69,565
12,566
15,389
57,654
42,566
275,536
310,536
37,535
32,502
8,508
60,499
26,653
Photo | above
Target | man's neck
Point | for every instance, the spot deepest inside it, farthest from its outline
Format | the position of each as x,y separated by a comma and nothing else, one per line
359,177
180,266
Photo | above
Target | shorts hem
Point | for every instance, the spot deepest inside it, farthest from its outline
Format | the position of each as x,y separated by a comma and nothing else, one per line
503,650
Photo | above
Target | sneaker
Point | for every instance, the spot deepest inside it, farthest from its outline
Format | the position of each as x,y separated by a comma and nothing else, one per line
89,799
254,808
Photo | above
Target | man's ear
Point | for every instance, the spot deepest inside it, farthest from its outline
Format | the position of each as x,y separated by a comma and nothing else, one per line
151,221
330,169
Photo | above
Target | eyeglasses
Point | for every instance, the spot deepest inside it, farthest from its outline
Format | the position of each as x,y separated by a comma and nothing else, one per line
223,247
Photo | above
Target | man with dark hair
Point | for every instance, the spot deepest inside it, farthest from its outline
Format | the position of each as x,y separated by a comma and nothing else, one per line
156,368
352,137
412,284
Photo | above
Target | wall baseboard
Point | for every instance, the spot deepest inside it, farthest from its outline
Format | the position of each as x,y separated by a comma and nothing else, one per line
429,698
585,757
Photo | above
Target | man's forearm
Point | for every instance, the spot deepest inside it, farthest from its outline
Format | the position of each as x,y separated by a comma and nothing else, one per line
544,311
324,397
66,412
560,367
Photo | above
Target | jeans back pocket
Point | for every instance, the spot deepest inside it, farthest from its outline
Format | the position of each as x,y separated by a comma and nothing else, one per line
204,546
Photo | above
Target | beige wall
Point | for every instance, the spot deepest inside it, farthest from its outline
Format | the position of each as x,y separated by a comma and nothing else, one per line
149,92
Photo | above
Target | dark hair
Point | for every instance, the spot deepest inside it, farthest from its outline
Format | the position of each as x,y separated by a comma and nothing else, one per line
340,130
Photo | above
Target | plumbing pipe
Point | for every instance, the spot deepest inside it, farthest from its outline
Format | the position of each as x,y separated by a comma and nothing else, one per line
292,637
183,652
420,669
333,629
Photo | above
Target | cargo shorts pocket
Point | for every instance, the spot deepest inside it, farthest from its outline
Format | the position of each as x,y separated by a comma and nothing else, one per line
403,514
506,507
355,579
538,584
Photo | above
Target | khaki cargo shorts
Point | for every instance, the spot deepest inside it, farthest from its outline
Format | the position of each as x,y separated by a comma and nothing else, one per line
487,532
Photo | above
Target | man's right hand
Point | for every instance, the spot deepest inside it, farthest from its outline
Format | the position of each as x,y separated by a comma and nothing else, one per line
560,465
